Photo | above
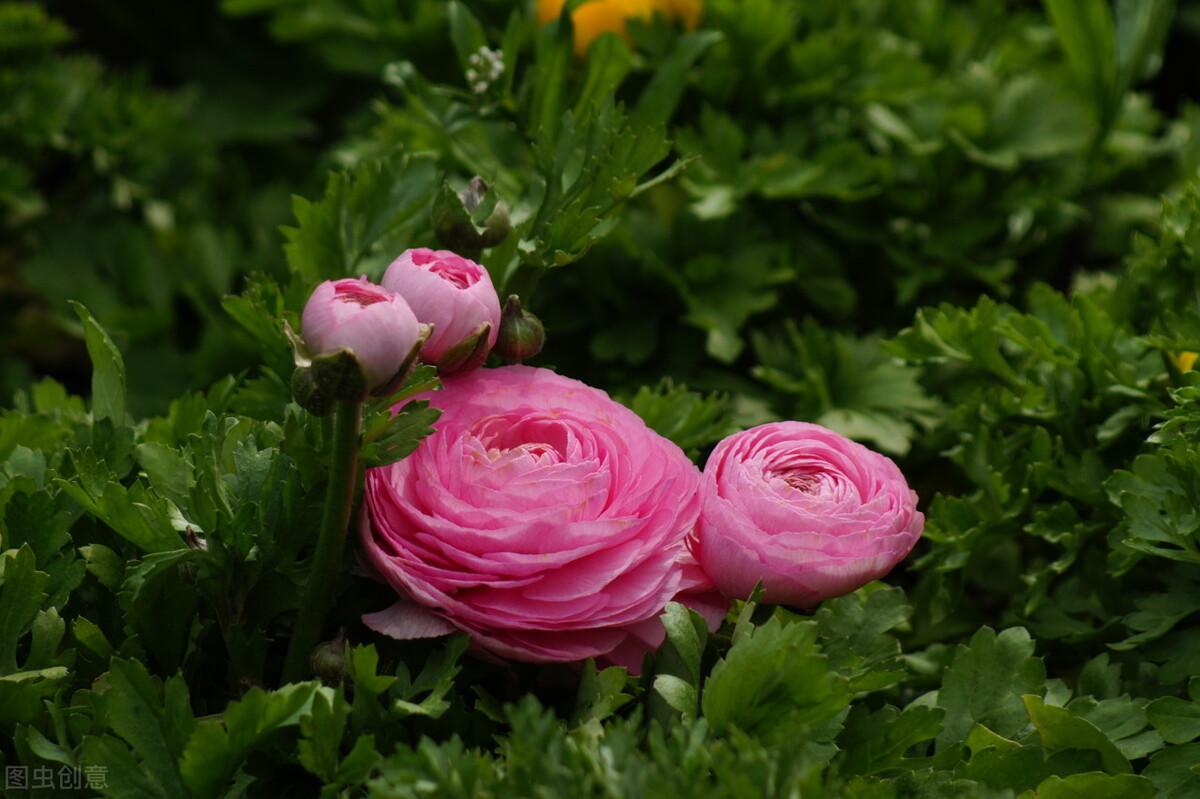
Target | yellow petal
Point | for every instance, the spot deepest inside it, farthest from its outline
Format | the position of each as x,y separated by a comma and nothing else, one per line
686,11
597,17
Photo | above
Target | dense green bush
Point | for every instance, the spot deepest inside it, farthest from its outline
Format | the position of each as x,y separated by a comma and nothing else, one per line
965,233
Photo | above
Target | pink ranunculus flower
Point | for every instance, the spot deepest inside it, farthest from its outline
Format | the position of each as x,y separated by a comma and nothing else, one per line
541,517
808,512
373,323
456,296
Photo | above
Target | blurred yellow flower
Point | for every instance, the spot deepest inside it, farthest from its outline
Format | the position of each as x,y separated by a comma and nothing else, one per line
604,16
686,11
1185,361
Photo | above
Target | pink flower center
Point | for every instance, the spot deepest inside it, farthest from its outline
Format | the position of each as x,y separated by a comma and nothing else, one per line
804,481
539,451
460,275
544,441
454,269
359,293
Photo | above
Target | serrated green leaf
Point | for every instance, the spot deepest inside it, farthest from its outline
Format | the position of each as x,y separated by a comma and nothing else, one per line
1177,720
690,419
875,742
218,748
360,212
601,693
1059,729
774,683
134,706
986,682
21,596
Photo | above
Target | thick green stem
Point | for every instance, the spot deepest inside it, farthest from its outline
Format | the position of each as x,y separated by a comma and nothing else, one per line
331,542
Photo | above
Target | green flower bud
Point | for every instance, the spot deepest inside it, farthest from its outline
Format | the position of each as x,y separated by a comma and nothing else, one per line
329,660
521,333
471,221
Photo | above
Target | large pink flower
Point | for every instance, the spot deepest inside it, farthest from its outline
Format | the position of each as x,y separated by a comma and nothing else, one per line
541,517
808,512
456,296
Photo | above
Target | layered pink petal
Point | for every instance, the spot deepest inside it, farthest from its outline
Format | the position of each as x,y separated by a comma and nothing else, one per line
804,510
541,517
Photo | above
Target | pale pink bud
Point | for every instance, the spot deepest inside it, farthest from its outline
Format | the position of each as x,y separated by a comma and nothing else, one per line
456,296
357,315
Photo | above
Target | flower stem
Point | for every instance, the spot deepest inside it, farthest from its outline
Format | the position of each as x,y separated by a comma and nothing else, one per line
331,541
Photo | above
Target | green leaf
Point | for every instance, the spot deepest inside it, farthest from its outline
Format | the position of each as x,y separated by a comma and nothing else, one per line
362,215
92,638
677,665
775,684
878,741
986,682
690,419
135,513
21,596
1177,720
107,566
362,666
1122,720
1086,31
1159,497
426,695
123,773
26,27
217,748
601,693
44,748
108,369
320,746
465,32
168,470
389,436
608,63
551,65
658,101
1175,772
1096,786
259,311
847,384
1059,729
589,167
855,635
140,712
1141,26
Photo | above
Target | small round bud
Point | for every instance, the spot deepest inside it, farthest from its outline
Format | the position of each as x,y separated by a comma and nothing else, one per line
456,296
329,660
372,325
521,333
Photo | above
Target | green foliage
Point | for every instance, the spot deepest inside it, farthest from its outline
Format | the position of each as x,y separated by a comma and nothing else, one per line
966,234
364,213
846,384
693,421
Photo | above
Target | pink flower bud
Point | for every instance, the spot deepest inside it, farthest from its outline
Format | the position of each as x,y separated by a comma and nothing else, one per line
356,315
456,296
808,512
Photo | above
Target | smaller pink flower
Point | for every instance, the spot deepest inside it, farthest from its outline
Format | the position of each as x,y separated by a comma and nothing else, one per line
357,315
808,512
456,296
